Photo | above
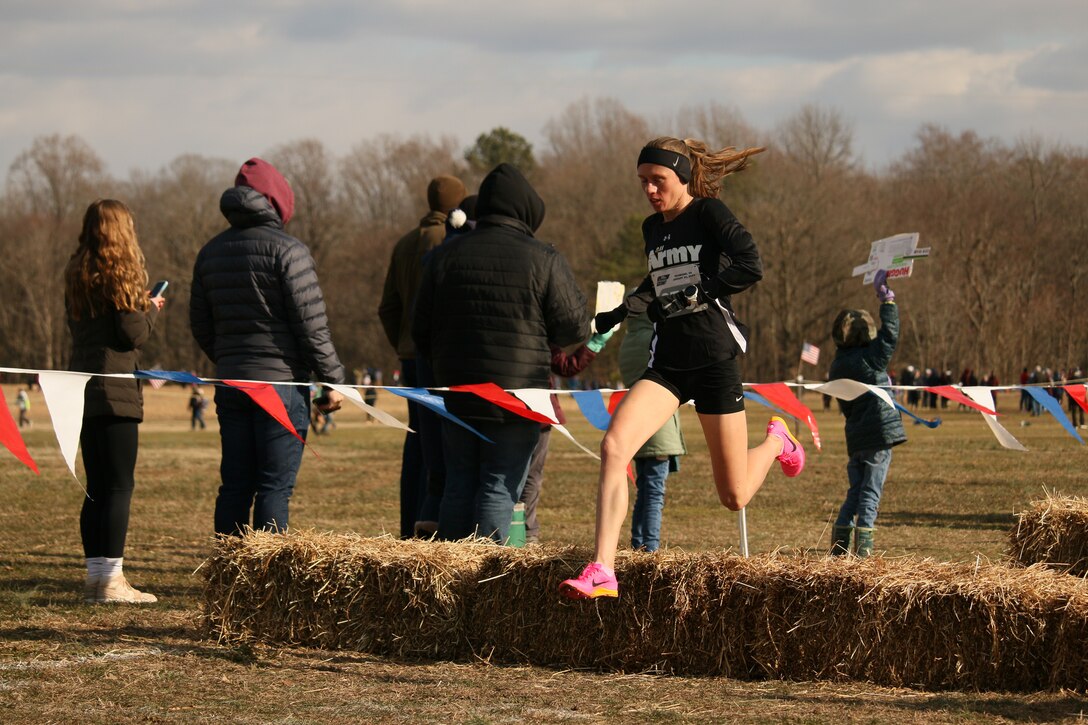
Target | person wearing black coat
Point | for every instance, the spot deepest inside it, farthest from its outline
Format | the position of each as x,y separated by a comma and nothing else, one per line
258,313
490,305
872,426
110,315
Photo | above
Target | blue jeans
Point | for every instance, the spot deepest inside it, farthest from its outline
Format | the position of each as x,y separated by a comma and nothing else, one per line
484,480
866,471
649,502
260,458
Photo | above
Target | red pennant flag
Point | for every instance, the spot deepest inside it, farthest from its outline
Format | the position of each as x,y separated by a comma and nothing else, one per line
781,395
265,396
9,436
952,393
1077,393
614,400
494,394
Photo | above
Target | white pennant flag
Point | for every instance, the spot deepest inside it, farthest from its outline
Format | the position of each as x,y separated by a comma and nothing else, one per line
356,397
983,395
63,393
540,401
846,389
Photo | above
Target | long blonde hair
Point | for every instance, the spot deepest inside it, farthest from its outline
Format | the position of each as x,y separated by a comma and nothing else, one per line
708,168
107,269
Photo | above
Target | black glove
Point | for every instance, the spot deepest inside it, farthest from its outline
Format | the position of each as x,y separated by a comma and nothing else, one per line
710,288
605,321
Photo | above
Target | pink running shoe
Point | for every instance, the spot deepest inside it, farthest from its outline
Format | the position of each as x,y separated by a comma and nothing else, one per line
596,580
792,456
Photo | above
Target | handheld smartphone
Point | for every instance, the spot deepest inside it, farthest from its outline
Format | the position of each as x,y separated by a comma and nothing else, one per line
159,287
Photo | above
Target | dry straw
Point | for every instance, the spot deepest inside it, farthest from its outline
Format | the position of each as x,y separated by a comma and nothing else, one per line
1054,531
897,622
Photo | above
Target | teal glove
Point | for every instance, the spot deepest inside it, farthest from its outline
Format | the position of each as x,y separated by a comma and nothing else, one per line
597,341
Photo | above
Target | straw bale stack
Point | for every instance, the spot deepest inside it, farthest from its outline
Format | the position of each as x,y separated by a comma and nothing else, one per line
380,595
1053,531
897,622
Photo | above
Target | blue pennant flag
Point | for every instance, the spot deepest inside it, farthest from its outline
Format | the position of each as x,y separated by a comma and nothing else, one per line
434,402
591,403
174,376
1045,399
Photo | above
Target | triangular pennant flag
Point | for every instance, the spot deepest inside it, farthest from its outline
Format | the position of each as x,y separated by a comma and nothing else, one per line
919,419
63,393
591,403
1045,399
984,396
356,397
1077,393
497,396
757,398
846,389
174,376
783,397
433,402
266,397
614,401
540,401
953,393
9,436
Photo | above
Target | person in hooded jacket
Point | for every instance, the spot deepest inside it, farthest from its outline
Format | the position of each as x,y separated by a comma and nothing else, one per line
872,426
257,311
490,304
395,312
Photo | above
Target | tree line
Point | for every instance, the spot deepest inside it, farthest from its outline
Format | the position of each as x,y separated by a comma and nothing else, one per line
1003,288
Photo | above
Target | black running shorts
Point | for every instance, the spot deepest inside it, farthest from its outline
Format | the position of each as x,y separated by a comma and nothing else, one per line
716,388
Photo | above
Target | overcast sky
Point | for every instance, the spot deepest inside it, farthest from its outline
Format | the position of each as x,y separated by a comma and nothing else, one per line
143,81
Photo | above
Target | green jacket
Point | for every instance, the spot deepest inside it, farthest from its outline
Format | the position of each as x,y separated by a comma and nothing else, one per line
634,354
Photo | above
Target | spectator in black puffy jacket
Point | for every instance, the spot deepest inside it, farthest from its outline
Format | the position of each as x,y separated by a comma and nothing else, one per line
258,313
490,304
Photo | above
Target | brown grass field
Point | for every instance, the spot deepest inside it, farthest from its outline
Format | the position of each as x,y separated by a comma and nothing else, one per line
952,495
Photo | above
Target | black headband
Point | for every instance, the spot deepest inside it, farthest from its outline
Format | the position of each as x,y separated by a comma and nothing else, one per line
669,159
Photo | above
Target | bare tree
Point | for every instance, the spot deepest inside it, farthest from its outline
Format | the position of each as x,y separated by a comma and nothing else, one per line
48,187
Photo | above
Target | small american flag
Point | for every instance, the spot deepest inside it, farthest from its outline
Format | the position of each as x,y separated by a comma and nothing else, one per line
156,383
810,354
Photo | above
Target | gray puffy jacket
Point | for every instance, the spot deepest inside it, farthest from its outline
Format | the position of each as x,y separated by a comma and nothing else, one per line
256,308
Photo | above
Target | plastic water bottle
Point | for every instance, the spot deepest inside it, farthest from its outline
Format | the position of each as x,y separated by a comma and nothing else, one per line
517,527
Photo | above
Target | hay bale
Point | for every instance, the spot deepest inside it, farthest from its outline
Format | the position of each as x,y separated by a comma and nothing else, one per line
403,599
895,622
1053,531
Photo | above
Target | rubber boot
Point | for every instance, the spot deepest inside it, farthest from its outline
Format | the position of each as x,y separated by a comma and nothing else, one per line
863,542
840,540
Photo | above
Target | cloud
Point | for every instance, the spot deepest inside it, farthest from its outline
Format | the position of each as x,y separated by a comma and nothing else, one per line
145,81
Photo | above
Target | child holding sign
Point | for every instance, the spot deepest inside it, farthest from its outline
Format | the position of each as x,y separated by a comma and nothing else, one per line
872,426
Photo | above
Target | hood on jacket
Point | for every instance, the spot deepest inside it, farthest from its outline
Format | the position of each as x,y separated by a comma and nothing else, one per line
853,328
262,176
505,192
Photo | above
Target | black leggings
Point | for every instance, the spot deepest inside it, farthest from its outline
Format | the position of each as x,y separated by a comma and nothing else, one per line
109,446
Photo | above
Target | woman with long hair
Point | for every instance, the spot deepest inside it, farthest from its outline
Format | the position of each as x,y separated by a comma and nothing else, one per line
698,254
110,315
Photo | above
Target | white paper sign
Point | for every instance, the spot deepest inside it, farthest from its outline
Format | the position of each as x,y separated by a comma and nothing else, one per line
894,254
609,296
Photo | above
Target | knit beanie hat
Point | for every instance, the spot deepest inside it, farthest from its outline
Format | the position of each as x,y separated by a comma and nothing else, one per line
444,193
262,176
